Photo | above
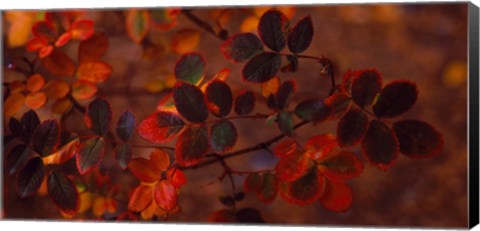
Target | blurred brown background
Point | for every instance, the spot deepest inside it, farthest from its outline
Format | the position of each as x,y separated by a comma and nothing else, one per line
424,43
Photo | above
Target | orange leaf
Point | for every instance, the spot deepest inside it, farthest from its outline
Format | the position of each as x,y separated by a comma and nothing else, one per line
17,86
61,106
35,100
160,159
137,24
35,82
149,170
81,29
319,146
141,198
85,201
13,104
222,216
285,148
249,24
56,89
337,196
185,40
101,205
67,151
20,27
45,51
82,89
94,72
165,195
270,87
59,64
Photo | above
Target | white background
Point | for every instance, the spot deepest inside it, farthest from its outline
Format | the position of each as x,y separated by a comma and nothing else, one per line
55,4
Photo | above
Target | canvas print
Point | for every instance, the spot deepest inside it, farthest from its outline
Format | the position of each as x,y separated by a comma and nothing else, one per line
313,115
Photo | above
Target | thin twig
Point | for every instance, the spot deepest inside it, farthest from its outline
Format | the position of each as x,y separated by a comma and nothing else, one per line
204,25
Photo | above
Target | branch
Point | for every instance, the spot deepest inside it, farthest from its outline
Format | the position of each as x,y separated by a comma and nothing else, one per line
223,35
261,146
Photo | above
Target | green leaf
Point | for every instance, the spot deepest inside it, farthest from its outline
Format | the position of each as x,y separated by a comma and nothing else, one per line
262,67
301,35
192,145
285,123
190,102
90,154
241,47
125,125
46,137
30,177
123,155
99,116
313,110
190,68
63,193
223,136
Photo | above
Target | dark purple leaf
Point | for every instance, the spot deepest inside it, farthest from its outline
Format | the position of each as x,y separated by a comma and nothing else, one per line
365,86
244,103
281,99
301,35
190,102
125,125
63,193
380,146
30,177
98,116
285,122
351,128
123,155
15,127
292,65
418,139
219,98
192,145
395,99
190,68
17,158
271,29
90,154
223,136
241,47
30,122
262,67
249,215
46,137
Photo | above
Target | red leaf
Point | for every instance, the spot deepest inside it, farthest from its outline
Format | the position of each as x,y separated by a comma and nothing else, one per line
262,67
222,216
63,193
285,148
268,190
190,68
337,196
149,170
300,37
351,127
223,136
160,127
98,116
30,177
36,44
244,103
271,29
253,182
314,110
69,143
90,154
241,47
320,146
94,71
123,155
190,102
137,24
339,104
292,167
59,64
93,48
380,146
219,98
63,39
176,177
81,29
164,19
141,198
365,86
44,29
395,99
341,166
305,189
165,195
418,139
192,145
46,137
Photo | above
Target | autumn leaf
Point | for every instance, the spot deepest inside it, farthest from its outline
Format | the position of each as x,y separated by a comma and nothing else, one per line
314,110
94,71
339,103
141,198
68,148
125,125
160,127
253,182
137,24
63,193
300,36
342,165
93,48
148,170
90,154
271,29
319,146
82,90
269,188
241,47
29,178
291,167
219,98
190,68
418,139
35,83
190,102
59,64
165,195
192,145
223,136
98,116
262,67
380,146
123,155
244,103
81,29
185,40
351,128
35,100
46,137
395,99
365,86
337,196
285,148
305,189
17,158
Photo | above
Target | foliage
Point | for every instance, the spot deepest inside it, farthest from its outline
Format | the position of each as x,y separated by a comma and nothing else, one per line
196,117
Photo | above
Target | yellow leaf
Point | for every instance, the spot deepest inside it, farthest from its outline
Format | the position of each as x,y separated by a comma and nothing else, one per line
270,87
36,100
35,83
20,27
13,104
185,40
85,201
